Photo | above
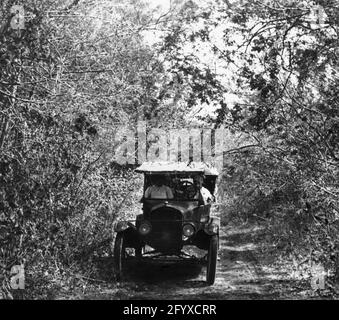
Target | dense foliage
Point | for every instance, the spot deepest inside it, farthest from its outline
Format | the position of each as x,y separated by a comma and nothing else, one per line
280,60
79,69
63,90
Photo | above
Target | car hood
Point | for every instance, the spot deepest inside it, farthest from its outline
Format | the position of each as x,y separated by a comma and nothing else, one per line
182,206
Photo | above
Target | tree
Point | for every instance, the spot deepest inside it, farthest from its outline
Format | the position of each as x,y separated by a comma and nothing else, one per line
73,73
280,61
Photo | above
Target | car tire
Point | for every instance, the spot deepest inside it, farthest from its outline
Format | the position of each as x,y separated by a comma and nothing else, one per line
212,260
119,255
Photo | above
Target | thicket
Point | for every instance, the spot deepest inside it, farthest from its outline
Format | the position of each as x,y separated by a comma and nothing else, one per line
64,89
73,74
282,62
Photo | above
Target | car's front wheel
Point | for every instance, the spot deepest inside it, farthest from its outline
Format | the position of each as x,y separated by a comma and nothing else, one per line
212,260
119,255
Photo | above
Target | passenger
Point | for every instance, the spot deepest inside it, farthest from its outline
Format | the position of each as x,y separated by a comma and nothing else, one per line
203,194
158,190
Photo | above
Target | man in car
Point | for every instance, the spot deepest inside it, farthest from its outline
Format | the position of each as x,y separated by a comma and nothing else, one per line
203,194
158,190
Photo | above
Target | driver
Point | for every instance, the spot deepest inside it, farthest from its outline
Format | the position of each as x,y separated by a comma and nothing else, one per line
203,194
159,190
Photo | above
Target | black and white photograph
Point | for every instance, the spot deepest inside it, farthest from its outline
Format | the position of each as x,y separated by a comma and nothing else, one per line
169,151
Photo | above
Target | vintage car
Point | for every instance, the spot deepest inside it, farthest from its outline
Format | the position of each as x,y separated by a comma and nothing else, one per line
168,224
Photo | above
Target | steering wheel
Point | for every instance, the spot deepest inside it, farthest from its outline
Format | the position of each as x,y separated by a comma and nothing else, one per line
186,189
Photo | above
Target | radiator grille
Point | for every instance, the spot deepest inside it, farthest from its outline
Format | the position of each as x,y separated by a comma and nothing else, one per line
166,234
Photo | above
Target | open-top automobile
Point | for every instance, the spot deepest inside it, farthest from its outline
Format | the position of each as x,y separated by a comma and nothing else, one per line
169,223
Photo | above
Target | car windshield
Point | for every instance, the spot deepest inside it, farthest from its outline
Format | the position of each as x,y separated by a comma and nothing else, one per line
173,187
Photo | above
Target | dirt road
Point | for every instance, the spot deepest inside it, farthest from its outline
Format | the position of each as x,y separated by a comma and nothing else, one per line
244,271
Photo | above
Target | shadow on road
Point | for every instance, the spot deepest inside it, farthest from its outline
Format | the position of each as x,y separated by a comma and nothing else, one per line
158,272
153,272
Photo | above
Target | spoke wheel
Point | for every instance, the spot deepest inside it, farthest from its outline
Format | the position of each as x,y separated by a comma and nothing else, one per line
119,255
212,260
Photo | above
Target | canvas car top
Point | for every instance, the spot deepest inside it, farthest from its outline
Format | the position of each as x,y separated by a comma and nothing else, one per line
177,167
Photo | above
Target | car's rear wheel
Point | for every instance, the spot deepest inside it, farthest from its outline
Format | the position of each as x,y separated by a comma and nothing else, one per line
212,260
119,255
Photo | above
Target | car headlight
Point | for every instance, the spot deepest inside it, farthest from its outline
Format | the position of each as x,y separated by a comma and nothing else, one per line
188,230
145,228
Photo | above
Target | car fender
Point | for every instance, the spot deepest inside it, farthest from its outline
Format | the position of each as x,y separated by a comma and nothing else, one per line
120,226
212,226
